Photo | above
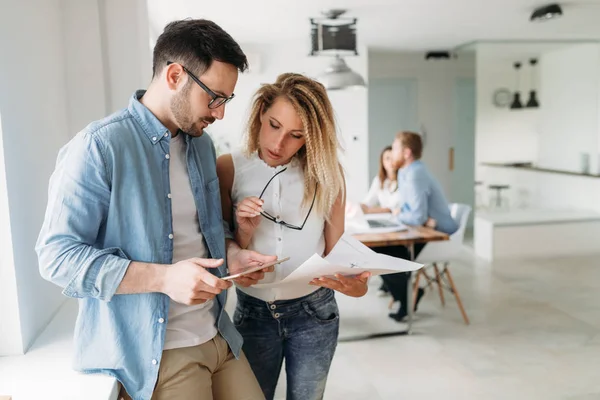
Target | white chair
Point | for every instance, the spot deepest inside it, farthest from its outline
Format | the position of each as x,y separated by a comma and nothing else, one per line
443,252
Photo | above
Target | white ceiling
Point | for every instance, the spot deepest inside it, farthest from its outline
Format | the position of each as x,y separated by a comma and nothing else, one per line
388,24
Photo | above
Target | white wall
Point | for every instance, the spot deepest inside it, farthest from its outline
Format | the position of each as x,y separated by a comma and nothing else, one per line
126,42
501,134
65,64
34,126
350,105
108,56
10,328
570,107
86,91
551,136
436,81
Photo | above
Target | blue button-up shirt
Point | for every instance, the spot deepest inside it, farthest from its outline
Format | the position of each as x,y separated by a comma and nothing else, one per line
109,204
423,197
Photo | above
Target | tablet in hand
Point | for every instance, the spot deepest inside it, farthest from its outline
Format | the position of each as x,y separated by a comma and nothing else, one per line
255,269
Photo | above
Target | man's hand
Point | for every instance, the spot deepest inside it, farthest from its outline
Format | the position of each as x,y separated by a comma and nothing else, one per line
354,286
431,223
239,260
188,282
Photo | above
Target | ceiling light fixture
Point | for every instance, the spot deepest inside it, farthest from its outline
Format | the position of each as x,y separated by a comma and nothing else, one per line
339,76
437,55
516,104
546,12
336,36
533,101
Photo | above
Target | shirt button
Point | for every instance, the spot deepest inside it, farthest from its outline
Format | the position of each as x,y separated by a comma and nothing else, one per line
166,134
279,239
276,315
154,138
273,307
169,195
161,320
170,236
154,362
167,156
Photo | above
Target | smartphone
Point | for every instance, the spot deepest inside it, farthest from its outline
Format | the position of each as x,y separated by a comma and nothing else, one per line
254,269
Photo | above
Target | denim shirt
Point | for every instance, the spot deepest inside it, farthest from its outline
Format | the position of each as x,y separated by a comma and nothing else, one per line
423,197
108,205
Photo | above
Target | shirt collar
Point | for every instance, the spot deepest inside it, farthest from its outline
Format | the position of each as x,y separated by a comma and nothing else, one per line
153,129
409,167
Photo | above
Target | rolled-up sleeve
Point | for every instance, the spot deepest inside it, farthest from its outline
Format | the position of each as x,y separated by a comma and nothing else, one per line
78,202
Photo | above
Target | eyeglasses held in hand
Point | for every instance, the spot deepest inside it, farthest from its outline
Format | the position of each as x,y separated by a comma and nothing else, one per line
281,222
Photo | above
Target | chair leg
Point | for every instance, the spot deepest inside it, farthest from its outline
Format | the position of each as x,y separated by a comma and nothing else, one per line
438,278
426,275
458,300
416,286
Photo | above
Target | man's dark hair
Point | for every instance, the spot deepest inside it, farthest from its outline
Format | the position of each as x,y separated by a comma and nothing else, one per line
196,43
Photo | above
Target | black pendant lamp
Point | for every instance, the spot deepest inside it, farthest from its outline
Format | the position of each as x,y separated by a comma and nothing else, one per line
533,100
516,103
547,12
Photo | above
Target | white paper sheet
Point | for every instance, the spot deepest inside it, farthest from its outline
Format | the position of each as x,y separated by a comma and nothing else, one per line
348,257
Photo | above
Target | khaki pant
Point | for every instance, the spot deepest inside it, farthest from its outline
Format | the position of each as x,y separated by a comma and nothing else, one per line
205,372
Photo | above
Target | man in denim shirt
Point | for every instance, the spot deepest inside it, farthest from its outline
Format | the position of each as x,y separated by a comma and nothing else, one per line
133,230
423,201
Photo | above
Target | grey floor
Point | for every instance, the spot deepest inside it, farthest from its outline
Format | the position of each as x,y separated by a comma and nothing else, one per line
534,334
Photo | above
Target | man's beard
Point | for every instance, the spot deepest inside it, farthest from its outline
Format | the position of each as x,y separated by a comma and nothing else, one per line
399,163
180,107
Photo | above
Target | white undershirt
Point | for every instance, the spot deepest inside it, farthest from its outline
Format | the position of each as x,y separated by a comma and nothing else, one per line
283,199
187,325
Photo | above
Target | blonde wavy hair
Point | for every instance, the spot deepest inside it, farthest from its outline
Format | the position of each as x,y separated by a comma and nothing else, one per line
318,157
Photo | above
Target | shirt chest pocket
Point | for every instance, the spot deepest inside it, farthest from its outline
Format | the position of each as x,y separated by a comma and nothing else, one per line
213,197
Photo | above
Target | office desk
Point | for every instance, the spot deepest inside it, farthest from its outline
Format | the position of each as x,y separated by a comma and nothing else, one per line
408,238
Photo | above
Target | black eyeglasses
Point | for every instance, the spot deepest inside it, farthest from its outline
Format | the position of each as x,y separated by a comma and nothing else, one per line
216,100
277,220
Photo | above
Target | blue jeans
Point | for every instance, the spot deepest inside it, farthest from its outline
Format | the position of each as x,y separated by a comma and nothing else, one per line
302,331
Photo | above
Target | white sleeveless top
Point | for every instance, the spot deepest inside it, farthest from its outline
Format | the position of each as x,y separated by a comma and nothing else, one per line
387,196
283,199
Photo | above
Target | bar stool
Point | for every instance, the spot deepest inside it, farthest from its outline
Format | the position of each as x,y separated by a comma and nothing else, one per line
498,200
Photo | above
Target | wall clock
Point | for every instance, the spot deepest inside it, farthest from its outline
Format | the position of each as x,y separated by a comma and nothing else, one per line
502,98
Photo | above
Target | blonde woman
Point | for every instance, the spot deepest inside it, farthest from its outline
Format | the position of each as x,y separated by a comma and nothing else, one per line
284,195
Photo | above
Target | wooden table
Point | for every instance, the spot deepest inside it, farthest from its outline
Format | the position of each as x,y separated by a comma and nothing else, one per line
415,234
408,238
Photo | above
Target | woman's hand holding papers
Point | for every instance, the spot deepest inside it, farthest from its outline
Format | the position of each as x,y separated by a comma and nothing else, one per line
354,286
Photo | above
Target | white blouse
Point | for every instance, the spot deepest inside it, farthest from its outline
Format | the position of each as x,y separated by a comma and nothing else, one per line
282,199
386,197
